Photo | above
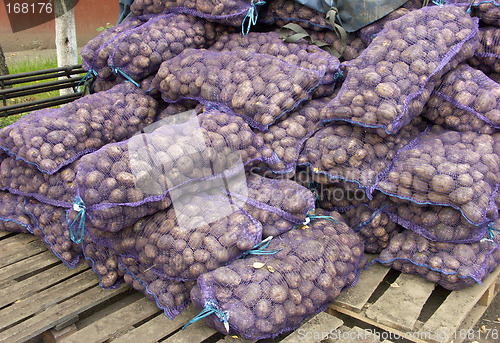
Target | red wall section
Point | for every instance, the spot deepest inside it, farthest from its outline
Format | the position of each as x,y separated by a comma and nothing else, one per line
89,15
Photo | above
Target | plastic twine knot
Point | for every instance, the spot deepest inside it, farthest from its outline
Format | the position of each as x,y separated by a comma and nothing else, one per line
252,16
491,231
360,225
312,216
117,70
83,82
210,308
337,75
78,206
258,249
439,2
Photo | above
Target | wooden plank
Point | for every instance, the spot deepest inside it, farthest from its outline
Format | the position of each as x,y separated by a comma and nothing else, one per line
44,299
20,290
196,332
315,329
157,328
456,307
59,313
400,305
26,266
4,233
361,316
357,296
32,248
16,241
116,323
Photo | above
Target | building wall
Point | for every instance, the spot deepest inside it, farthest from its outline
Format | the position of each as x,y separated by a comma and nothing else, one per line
89,15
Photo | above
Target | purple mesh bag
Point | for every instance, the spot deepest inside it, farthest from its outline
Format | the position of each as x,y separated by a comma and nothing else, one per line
390,82
487,56
369,32
286,138
264,296
337,195
53,138
140,51
12,215
229,12
259,88
466,100
449,168
349,152
453,266
123,182
170,296
189,239
50,225
299,53
434,222
19,177
102,259
96,52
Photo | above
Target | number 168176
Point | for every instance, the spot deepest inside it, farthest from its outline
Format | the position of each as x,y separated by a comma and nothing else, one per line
29,7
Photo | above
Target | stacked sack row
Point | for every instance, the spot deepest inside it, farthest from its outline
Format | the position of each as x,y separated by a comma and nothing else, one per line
174,177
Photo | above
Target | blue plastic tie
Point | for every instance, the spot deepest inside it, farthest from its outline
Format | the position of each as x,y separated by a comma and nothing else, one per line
314,216
491,231
116,70
252,16
209,309
84,80
337,75
258,249
439,2
360,225
79,206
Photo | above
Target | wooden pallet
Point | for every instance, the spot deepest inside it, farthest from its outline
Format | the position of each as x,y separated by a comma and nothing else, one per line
411,307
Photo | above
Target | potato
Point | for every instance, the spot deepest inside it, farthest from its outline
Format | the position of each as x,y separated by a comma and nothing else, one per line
453,266
315,256
399,97
170,296
345,151
299,53
449,168
259,103
488,12
63,135
471,109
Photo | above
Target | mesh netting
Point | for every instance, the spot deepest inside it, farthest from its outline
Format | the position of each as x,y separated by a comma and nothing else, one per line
434,222
337,195
465,100
18,177
374,227
287,137
170,296
102,259
96,52
263,296
349,152
299,53
453,266
50,225
229,12
369,32
140,51
390,82
458,169
282,12
12,215
487,10
487,55
53,138
102,85
125,181
279,205
260,88
184,242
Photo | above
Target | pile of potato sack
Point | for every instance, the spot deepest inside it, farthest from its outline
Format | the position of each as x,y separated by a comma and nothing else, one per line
248,175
